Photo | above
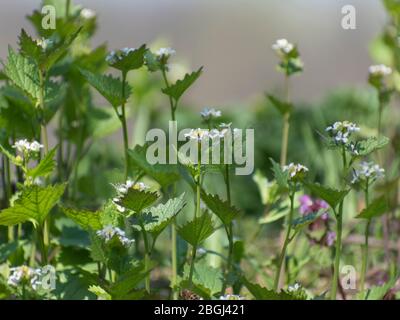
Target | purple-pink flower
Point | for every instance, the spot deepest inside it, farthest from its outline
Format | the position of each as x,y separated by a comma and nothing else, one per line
330,238
309,205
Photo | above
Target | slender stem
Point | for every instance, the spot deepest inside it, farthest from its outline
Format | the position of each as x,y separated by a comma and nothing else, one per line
45,138
42,244
286,126
365,246
67,8
194,252
174,237
171,102
196,214
229,228
339,229
338,250
285,244
7,191
146,257
122,117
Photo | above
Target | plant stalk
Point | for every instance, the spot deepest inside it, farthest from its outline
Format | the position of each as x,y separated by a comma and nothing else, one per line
285,244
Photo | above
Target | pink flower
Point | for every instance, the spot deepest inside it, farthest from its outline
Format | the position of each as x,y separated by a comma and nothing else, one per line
330,238
309,205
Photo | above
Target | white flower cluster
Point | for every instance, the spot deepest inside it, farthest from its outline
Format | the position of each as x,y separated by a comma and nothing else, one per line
208,114
87,14
109,232
25,274
368,171
295,170
44,43
342,130
204,134
24,146
282,46
231,297
122,190
379,70
294,288
165,53
115,56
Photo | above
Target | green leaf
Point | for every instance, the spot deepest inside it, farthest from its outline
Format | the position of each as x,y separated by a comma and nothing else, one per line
23,73
161,215
268,189
137,200
176,90
377,292
108,86
100,293
331,196
304,221
225,212
281,176
163,174
281,106
45,167
375,209
9,155
261,293
152,62
197,230
134,60
87,220
58,50
127,283
207,281
6,249
29,47
97,251
367,146
34,204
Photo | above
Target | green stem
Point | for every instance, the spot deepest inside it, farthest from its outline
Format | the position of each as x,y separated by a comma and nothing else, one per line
338,251
286,126
45,138
42,244
174,236
67,8
365,246
124,127
229,228
339,229
196,214
285,244
146,258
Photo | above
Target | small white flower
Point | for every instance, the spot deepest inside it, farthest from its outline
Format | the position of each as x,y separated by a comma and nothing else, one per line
379,70
294,287
24,146
25,274
342,130
282,46
197,134
368,171
231,297
115,56
87,14
207,113
295,170
109,232
44,43
21,145
165,52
